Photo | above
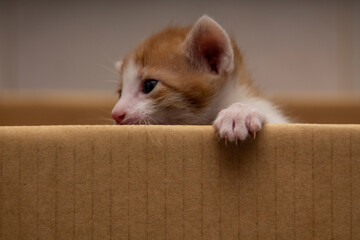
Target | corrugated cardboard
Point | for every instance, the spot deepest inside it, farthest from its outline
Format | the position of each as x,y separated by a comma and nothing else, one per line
73,108
179,182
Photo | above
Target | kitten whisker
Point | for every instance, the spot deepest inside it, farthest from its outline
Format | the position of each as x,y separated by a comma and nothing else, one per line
110,70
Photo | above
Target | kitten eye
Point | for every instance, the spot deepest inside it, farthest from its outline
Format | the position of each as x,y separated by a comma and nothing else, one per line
149,85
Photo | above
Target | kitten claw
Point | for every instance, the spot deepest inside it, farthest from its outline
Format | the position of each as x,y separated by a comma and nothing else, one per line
237,122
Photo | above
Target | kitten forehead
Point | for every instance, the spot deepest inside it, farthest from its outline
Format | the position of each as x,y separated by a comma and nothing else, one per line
162,49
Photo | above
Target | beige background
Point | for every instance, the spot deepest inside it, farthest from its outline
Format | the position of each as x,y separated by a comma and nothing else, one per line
288,45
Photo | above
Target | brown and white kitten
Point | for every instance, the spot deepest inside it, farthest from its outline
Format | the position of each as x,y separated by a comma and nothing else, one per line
191,75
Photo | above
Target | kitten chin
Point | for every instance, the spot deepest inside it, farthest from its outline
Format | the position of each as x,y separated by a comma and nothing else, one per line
192,75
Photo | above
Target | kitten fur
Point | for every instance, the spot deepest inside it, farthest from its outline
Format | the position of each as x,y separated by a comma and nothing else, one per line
201,80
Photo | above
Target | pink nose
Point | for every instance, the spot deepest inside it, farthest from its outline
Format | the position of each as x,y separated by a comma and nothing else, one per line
118,117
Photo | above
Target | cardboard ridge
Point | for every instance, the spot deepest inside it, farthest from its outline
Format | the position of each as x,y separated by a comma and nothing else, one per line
295,181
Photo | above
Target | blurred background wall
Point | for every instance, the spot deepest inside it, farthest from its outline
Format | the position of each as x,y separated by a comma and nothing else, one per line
291,46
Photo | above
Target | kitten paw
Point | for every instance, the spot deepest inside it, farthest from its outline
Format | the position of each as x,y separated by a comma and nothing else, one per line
237,121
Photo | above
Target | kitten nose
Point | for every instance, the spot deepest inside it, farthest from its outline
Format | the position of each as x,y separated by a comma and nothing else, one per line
118,117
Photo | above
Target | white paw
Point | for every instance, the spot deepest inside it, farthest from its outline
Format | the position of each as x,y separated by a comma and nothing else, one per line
237,121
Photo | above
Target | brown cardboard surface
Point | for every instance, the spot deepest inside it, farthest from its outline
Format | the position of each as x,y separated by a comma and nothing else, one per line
179,182
55,108
74,108
321,108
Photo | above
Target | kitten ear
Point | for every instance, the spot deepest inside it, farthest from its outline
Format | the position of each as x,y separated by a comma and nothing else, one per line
207,44
118,65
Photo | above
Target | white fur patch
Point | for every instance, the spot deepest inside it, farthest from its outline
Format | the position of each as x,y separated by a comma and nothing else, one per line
130,78
233,92
132,101
241,114
268,110
118,65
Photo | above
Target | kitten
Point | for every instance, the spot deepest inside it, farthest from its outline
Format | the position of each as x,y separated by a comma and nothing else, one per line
191,75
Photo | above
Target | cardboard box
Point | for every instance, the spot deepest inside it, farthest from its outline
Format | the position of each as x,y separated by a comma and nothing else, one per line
179,182
74,108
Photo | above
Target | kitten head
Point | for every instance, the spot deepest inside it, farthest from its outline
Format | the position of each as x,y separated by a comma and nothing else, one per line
173,76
